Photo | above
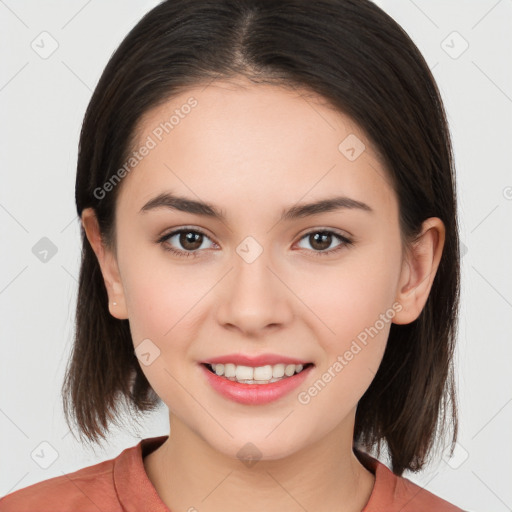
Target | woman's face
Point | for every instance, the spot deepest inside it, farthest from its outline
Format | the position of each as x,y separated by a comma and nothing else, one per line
254,280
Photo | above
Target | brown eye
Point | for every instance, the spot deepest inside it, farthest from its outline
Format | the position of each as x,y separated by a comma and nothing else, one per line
190,240
321,241
184,242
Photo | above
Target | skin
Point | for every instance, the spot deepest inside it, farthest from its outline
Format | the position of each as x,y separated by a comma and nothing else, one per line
254,150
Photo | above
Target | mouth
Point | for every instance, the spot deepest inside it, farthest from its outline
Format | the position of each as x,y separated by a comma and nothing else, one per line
258,375
260,385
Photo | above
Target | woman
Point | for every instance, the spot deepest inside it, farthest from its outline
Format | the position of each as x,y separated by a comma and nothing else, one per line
270,248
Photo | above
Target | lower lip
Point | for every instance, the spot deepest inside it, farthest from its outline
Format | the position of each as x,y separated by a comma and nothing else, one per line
255,394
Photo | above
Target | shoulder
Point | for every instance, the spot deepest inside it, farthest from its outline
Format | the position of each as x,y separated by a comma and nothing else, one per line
394,493
412,497
88,489
105,486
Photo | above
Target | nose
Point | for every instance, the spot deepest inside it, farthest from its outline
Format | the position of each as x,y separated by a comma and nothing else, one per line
254,298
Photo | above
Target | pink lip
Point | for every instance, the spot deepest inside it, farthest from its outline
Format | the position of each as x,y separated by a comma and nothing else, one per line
255,394
260,360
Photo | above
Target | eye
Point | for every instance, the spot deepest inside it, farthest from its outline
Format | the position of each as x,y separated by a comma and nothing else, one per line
321,240
189,241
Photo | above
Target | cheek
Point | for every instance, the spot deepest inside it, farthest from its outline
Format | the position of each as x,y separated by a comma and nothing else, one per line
163,303
160,293
352,305
349,298
355,318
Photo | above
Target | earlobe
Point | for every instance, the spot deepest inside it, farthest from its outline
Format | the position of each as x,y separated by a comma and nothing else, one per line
108,265
419,270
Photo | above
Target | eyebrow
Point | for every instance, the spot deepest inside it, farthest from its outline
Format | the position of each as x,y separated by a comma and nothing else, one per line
184,204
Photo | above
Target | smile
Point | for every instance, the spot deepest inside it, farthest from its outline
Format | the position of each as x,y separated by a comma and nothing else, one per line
253,385
256,375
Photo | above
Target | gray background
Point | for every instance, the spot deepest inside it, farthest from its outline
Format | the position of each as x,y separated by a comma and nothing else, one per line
42,101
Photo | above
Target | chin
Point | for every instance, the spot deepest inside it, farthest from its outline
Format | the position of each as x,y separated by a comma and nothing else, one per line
257,446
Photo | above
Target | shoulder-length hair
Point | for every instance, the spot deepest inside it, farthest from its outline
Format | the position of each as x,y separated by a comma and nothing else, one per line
363,63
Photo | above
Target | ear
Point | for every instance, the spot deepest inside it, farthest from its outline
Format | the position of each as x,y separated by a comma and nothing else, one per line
419,270
108,264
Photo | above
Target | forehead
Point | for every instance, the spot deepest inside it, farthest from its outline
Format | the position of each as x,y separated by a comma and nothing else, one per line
253,142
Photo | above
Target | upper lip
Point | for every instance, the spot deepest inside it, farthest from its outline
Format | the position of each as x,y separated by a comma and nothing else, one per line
255,360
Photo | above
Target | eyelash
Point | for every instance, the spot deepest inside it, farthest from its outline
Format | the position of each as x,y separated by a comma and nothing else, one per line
187,254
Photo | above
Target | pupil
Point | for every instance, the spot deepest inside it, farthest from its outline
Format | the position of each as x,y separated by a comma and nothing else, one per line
325,240
189,237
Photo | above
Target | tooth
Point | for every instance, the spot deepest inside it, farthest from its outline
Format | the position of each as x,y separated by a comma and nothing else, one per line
289,370
257,375
278,371
263,372
244,373
229,370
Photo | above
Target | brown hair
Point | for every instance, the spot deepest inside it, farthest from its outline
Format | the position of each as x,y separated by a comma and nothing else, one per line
358,58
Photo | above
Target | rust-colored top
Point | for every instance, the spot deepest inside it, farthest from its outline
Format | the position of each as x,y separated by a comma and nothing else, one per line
122,485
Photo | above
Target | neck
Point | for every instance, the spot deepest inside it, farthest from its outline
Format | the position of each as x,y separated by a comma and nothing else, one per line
188,474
